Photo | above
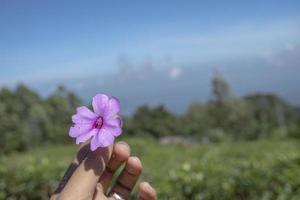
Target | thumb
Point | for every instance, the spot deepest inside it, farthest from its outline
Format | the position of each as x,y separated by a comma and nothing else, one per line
83,182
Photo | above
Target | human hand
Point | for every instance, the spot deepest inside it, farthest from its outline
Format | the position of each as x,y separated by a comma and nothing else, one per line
91,172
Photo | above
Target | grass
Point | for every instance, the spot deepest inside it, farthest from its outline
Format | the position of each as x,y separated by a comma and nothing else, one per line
159,160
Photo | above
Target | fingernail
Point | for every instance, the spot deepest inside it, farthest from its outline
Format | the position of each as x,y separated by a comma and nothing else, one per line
122,143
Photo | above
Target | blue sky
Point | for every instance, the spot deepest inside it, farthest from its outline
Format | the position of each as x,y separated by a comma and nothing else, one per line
59,41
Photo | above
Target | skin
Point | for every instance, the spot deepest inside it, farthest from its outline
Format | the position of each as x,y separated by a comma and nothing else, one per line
90,174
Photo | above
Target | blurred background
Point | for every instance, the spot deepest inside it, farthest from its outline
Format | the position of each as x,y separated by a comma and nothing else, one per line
209,92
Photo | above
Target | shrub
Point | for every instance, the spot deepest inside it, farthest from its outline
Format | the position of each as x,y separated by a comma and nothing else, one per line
33,178
252,179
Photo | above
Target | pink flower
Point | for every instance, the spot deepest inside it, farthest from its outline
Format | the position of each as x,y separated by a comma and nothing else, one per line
102,125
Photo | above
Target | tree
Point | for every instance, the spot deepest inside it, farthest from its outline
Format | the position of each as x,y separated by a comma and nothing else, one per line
221,89
272,112
16,133
27,120
60,106
156,121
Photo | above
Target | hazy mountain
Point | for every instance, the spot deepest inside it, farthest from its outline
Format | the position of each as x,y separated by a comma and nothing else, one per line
177,85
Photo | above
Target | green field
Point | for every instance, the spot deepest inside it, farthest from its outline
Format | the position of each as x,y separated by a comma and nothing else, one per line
243,170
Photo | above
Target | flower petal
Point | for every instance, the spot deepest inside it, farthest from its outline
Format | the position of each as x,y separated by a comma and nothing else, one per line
103,139
114,130
112,108
99,103
85,112
79,129
79,119
84,137
116,121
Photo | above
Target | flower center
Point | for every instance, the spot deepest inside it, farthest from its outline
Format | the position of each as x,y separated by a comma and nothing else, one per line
99,122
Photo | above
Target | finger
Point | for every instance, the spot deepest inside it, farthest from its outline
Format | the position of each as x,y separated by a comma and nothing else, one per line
121,153
99,194
83,182
146,192
79,157
128,178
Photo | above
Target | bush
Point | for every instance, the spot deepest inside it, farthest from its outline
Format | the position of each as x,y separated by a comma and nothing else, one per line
275,177
236,171
294,130
34,178
27,120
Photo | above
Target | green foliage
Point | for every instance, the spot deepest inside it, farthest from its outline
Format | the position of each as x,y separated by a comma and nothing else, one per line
294,130
224,118
60,106
241,170
249,118
34,175
33,179
234,118
220,89
27,120
154,121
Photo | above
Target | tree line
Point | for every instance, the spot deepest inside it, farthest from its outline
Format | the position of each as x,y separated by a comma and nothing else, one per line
225,117
28,120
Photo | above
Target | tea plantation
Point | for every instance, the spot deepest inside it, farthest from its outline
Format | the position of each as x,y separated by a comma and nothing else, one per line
241,170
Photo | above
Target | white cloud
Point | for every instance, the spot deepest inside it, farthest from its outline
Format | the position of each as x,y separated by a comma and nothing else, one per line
175,73
290,47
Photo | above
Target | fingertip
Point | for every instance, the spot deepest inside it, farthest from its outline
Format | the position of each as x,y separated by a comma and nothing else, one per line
134,165
121,153
121,150
128,177
146,191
